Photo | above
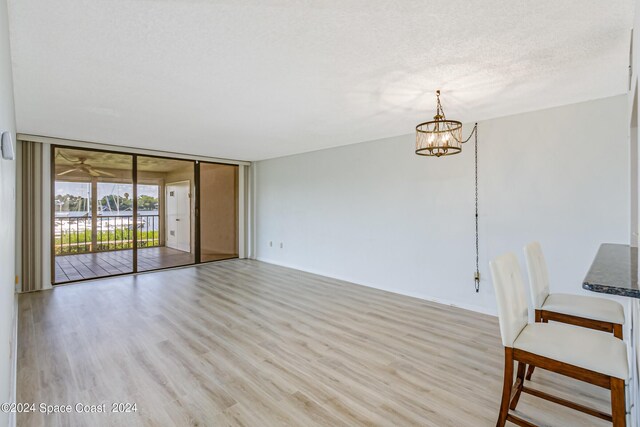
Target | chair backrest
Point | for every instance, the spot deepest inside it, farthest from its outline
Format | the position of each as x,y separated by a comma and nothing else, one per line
512,302
538,274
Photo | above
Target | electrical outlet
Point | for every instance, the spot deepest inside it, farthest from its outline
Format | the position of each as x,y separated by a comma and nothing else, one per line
281,245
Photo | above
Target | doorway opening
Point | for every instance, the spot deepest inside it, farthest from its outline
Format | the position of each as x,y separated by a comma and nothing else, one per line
117,213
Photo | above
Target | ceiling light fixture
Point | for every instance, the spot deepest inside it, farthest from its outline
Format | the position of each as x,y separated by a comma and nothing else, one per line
443,137
440,136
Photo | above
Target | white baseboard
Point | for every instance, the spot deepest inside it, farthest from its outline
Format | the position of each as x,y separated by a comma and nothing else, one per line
477,309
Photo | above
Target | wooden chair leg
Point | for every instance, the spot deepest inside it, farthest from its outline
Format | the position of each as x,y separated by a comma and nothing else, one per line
531,367
530,372
617,330
518,385
506,386
618,403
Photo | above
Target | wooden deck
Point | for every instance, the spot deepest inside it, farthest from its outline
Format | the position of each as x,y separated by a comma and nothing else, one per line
90,266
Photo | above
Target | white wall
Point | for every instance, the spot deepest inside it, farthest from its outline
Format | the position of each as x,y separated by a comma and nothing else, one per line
378,215
7,222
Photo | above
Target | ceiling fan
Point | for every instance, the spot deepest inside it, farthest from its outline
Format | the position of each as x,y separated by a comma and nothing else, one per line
79,165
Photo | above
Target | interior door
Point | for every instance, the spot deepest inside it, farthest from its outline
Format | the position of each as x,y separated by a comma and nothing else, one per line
178,216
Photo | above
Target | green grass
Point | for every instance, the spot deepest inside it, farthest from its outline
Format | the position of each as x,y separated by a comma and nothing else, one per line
77,243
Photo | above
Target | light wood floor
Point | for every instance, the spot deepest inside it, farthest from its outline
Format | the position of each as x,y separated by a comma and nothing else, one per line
244,343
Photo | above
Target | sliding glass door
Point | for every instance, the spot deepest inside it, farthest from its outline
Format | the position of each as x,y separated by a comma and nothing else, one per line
118,213
218,211
166,213
93,223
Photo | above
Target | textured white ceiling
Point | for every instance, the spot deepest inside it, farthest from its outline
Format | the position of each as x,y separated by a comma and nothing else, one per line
264,78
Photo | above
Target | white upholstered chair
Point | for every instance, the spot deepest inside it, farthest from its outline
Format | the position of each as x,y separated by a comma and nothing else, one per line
590,312
591,356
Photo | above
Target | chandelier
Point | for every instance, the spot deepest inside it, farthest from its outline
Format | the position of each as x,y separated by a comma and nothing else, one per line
440,136
443,137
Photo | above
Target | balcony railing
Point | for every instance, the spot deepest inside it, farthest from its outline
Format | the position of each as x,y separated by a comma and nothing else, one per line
75,235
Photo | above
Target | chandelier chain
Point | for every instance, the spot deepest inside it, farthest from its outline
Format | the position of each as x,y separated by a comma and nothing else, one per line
473,132
439,110
477,275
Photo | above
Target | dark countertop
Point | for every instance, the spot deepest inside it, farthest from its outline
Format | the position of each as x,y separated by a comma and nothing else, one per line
614,271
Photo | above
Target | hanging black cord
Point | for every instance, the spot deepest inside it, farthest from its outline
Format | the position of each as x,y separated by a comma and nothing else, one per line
474,132
477,275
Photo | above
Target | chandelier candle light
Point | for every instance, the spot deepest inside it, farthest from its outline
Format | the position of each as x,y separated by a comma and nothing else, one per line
443,137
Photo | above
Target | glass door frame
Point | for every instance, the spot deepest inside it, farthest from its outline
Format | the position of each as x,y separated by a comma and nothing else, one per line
52,159
239,215
196,216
